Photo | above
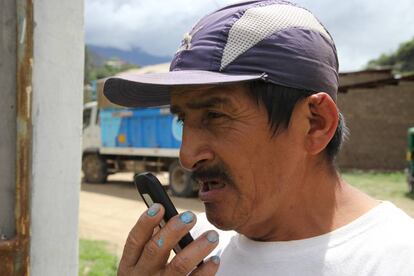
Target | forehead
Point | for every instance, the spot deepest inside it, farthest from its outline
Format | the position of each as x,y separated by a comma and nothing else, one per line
202,96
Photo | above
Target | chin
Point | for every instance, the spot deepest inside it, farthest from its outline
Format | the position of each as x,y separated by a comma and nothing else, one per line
218,218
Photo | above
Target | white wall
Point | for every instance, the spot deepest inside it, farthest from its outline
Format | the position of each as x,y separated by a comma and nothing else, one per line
56,110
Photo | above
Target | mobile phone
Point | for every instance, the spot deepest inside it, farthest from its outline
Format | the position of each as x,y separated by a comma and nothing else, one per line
151,191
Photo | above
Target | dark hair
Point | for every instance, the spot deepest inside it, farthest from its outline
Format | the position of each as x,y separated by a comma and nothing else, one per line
279,102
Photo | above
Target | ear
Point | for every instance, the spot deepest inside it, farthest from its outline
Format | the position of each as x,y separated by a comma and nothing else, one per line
323,121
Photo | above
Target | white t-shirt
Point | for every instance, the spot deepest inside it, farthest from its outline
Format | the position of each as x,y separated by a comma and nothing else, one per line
380,242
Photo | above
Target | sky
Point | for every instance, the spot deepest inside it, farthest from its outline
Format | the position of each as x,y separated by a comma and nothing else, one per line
362,29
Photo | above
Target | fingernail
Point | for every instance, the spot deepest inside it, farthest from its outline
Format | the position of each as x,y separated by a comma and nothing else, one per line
215,259
153,210
187,217
212,236
160,242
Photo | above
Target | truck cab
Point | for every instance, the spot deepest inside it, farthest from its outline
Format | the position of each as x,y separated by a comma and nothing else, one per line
91,137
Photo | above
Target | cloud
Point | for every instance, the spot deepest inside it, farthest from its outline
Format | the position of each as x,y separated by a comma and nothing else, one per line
362,29
157,27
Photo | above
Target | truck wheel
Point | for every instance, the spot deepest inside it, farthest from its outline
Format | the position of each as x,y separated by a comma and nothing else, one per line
94,168
181,184
411,186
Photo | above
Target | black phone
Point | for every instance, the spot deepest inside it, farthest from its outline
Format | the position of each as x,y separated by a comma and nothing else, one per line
152,191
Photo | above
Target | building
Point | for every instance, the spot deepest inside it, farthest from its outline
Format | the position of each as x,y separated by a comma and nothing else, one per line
378,109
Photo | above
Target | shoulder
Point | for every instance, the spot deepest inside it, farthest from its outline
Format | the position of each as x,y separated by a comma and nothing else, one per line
393,233
397,220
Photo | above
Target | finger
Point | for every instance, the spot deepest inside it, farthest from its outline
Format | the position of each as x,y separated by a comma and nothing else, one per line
209,267
156,229
140,234
156,251
185,261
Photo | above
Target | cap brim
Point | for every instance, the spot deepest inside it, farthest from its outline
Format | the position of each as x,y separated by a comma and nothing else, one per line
145,90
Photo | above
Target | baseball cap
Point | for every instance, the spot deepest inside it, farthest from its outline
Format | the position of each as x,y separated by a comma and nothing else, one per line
275,41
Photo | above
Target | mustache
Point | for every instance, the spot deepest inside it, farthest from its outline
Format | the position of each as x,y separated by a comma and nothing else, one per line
213,172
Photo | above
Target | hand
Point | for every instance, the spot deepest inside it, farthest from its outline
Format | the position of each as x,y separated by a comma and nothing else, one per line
147,249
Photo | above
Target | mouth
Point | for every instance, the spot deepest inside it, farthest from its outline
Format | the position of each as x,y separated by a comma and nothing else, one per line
211,185
211,190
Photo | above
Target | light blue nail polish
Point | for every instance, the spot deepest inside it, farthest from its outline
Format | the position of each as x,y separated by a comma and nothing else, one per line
215,259
153,210
212,236
187,217
160,242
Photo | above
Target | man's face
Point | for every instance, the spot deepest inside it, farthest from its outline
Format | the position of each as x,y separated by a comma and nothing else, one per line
228,146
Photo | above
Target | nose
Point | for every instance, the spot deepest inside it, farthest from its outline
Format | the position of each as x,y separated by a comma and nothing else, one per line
195,149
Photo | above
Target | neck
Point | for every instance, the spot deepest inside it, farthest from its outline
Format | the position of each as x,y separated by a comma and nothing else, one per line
315,203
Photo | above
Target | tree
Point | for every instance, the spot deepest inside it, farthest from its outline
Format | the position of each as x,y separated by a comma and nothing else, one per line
401,61
90,64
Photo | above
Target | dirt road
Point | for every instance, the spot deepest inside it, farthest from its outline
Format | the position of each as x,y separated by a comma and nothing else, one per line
108,211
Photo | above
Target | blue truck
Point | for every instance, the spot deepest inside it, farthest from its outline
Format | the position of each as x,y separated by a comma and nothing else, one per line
119,139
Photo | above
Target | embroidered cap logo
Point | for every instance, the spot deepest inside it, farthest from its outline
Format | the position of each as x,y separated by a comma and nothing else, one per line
186,43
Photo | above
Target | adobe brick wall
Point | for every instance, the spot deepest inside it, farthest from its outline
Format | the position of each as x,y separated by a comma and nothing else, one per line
378,120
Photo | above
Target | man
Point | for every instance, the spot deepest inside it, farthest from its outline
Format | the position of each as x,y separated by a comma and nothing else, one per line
255,86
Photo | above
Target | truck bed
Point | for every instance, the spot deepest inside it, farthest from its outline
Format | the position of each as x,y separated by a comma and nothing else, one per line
143,128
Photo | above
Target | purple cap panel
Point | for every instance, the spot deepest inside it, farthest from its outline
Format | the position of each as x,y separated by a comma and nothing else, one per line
295,58
272,40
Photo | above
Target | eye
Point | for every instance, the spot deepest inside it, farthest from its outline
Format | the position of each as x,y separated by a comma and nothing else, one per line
211,117
214,115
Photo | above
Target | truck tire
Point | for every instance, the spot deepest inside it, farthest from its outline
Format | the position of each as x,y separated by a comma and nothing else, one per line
411,186
94,168
410,180
181,184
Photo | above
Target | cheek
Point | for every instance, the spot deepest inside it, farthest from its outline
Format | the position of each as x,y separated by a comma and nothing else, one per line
269,165
238,162
250,177
247,156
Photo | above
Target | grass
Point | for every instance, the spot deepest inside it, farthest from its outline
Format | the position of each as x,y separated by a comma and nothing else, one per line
384,186
96,259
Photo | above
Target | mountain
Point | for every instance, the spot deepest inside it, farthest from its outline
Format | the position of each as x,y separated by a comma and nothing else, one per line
133,56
